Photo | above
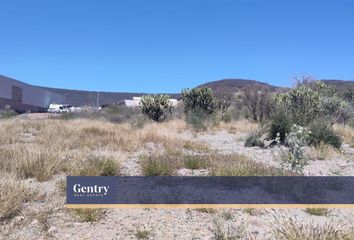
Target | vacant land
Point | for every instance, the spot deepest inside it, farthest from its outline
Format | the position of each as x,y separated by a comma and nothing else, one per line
37,154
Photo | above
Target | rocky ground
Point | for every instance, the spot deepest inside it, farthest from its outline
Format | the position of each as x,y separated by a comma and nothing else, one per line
47,218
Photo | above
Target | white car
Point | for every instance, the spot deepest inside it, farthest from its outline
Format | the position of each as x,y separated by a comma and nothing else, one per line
59,108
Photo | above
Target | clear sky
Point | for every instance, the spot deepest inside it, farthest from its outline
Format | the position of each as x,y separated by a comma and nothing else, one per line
166,45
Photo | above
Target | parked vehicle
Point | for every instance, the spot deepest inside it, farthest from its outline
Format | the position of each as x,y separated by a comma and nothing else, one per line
60,108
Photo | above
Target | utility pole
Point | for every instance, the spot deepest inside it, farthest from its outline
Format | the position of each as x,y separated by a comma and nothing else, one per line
98,99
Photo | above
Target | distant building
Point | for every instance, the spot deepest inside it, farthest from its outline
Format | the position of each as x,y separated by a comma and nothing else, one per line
23,97
136,101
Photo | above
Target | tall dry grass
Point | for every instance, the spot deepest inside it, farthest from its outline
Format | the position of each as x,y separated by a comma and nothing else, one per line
43,148
346,132
12,195
241,126
293,229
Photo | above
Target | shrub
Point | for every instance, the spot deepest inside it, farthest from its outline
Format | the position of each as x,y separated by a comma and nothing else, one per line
280,125
200,107
118,114
7,113
297,138
88,215
303,102
253,140
156,107
201,120
312,100
199,98
317,211
140,121
143,233
194,162
322,133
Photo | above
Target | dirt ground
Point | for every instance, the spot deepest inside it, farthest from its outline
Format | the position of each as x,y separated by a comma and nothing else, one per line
47,218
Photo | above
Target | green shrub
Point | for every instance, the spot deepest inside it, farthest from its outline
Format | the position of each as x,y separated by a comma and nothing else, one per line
7,113
118,114
253,140
240,165
322,133
114,114
303,102
199,98
313,100
156,166
200,107
140,121
280,125
143,234
98,166
194,162
317,211
156,107
88,215
201,120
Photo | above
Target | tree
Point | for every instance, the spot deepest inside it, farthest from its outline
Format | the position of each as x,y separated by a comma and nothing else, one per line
223,101
258,101
156,107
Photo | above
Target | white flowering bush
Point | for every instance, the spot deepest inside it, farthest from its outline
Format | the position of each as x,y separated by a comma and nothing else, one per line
295,141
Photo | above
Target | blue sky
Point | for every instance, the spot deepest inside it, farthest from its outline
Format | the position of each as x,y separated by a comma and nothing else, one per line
163,46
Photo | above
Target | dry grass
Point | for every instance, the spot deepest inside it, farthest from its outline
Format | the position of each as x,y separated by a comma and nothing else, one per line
228,230
43,148
95,166
195,162
159,165
241,126
29,161
293,230
88,215
317,211
143,233
240,165
346,132
12,195
322,152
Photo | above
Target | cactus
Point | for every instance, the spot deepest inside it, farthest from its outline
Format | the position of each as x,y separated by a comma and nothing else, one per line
156,107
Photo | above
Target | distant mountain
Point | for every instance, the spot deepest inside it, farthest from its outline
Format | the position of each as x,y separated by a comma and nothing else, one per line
341,85
90,98
235,85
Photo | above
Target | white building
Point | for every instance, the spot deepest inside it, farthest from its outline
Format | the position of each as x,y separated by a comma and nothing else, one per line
136,101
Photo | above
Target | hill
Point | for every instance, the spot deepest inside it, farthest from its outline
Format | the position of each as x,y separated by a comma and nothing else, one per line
90,98
235,85
341,85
